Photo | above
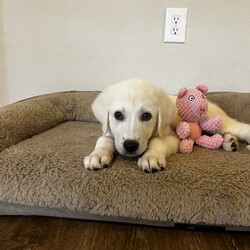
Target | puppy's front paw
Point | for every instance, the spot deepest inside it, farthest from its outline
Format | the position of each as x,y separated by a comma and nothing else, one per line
152,162
230,142
98,159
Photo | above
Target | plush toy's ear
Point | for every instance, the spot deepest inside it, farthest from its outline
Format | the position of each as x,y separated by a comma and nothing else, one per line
100,110
202,88
182,92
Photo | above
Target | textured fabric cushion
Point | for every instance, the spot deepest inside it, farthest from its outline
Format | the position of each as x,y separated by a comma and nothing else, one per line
44,140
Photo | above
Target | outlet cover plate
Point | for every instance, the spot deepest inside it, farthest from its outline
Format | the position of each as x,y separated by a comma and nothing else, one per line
176,19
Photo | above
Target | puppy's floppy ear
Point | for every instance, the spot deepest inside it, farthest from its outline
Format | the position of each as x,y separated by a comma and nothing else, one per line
166,113
100,109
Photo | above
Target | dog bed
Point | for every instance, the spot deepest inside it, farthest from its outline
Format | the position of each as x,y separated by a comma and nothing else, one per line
44,140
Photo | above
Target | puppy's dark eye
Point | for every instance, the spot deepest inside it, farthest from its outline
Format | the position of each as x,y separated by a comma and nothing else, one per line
146,117
119,116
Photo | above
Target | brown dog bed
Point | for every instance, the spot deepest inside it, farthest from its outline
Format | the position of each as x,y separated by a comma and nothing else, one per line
43,143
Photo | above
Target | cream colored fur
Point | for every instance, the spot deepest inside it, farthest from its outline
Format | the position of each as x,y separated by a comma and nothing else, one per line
156,137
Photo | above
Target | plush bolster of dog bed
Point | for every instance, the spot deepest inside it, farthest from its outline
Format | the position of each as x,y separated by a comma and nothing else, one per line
236,105
32,116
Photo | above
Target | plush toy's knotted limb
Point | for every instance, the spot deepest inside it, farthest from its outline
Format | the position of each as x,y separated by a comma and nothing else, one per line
211,124
186,146
210,142
183,130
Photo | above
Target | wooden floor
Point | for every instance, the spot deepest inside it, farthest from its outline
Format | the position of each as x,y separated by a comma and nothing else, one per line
53,233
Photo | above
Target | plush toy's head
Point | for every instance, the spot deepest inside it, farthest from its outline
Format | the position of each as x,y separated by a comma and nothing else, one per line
191,103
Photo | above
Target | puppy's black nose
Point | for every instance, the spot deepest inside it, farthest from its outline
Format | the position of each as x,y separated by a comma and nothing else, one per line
131,145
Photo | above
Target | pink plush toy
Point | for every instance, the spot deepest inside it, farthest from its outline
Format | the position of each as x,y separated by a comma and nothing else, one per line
192,106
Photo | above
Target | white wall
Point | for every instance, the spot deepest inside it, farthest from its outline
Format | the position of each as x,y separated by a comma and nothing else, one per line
55,45
4,98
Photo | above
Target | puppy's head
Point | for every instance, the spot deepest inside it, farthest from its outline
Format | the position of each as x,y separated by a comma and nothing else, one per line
132,112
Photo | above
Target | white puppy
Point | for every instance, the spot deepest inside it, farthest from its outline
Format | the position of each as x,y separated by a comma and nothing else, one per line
137,120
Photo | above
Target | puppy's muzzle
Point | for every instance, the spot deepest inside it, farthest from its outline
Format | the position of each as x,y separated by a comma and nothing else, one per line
131,145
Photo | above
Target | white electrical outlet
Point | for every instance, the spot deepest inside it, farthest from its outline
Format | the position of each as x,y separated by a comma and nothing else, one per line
175,26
